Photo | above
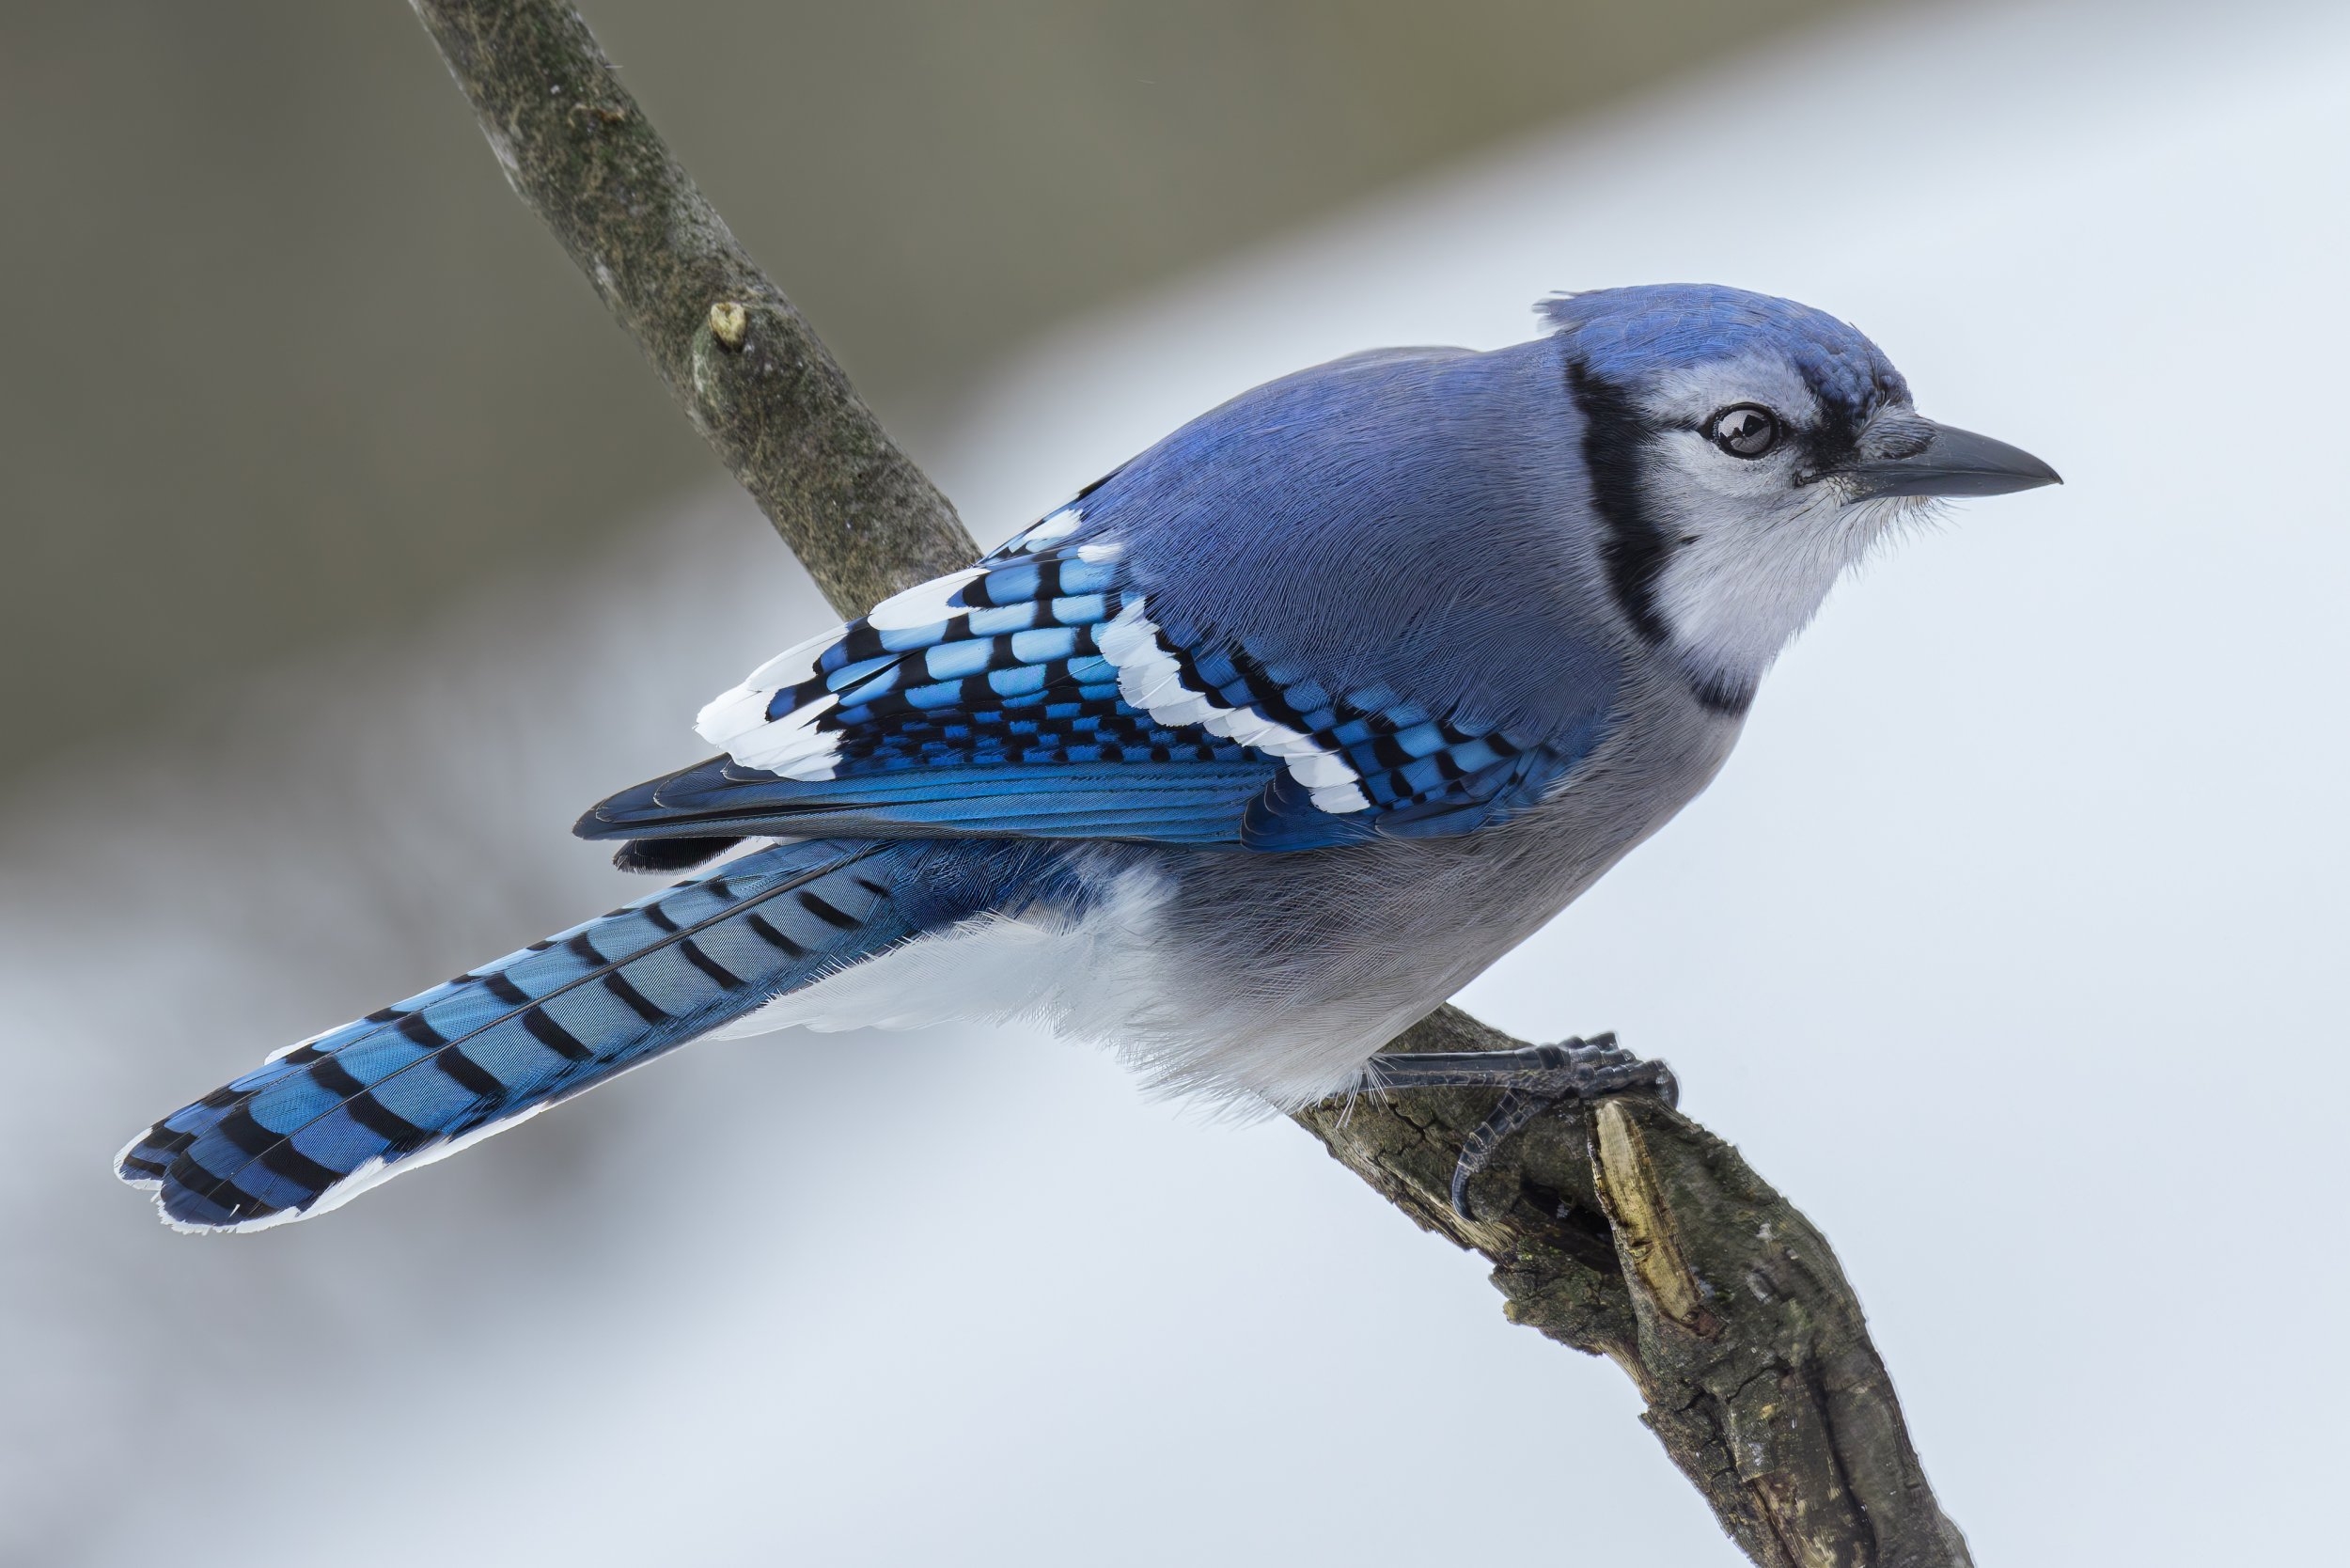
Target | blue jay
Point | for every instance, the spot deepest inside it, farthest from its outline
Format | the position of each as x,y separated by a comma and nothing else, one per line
1241,760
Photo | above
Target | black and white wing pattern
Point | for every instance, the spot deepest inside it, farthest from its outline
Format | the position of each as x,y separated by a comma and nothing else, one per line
1032,694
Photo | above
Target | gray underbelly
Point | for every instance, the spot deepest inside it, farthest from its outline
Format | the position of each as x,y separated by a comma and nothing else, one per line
1297,967
1267,981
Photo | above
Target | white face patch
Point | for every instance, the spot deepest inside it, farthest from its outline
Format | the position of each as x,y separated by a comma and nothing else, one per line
1734,594
1753,545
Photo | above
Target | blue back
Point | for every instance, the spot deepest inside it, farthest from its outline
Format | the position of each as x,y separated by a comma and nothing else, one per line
1414,521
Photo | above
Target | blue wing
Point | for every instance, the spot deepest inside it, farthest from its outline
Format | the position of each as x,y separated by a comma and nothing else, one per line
1045,692
1043,701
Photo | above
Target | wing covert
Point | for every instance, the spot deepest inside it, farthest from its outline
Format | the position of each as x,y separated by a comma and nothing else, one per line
1034,694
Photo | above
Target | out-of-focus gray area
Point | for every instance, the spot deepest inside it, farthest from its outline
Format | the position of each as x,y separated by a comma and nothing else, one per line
284,357
2008,945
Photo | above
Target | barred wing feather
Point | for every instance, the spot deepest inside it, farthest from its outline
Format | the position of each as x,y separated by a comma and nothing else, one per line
1034,696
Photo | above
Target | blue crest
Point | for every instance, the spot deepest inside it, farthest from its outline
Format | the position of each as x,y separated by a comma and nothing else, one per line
1626,334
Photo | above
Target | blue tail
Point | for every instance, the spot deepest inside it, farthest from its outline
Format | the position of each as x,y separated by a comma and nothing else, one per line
322,1121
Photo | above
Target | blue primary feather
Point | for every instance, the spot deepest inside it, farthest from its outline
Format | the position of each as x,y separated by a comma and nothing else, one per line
1171,804
549,1021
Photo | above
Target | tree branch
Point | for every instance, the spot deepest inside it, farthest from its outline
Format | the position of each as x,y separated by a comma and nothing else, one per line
1622,1229
751,376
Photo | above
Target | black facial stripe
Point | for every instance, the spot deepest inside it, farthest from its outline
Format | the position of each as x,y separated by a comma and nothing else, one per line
1722,695
1635,550
1833,445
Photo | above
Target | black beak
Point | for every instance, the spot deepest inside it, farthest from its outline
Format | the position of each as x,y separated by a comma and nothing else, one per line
1952,463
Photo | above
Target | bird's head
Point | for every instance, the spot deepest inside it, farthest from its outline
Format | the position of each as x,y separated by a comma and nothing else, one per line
1743,451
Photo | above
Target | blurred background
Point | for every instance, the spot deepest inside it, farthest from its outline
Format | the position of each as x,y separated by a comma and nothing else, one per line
284,343
353,551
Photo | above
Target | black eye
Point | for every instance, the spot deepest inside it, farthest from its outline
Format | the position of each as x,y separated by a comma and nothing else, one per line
1744,429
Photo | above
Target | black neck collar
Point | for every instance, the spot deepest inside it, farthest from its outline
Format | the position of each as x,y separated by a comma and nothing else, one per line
1633,549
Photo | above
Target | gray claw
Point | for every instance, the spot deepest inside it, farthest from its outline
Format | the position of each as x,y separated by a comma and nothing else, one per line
1570,1070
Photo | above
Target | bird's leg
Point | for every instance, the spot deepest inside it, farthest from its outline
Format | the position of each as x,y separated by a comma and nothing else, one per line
1532,1078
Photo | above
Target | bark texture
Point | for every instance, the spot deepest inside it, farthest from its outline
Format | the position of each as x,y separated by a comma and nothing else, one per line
735,353
1622,1229
1625,1230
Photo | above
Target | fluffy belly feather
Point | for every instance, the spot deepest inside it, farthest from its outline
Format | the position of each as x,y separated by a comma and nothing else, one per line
1263,982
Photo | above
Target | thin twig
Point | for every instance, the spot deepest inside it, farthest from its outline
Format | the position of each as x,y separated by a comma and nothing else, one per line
1623,1228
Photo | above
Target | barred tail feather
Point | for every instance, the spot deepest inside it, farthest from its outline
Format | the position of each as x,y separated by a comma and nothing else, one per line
323,1120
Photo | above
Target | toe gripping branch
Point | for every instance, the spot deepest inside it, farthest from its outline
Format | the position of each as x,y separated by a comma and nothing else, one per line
1532,1078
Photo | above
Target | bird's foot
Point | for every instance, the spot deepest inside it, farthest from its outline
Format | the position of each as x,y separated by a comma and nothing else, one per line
1532,1080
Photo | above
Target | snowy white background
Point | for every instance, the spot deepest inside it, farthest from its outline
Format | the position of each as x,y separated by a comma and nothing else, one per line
2010,945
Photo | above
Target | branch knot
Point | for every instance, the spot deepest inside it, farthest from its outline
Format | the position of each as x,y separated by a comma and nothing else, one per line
728,323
